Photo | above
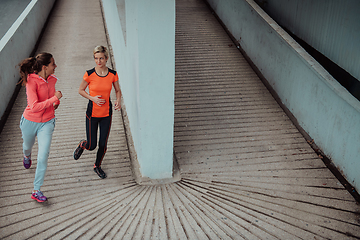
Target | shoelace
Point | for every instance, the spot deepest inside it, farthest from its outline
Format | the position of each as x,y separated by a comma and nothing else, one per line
27,160
39,193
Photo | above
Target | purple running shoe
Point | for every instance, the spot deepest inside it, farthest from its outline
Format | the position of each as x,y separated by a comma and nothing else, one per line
27,162
38,196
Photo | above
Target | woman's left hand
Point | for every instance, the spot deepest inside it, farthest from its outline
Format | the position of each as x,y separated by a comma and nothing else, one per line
117,106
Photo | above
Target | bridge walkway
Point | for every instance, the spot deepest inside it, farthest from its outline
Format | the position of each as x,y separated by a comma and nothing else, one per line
247,172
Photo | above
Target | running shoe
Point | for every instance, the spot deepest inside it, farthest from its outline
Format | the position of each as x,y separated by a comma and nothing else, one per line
27,162
100,172
79,150
38,196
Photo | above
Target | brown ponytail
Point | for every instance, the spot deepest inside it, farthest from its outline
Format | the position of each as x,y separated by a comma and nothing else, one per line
33,65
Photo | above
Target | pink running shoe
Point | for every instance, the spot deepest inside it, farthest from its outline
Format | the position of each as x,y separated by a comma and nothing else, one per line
38,196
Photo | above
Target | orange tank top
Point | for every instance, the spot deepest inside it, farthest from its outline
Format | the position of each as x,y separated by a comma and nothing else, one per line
102,86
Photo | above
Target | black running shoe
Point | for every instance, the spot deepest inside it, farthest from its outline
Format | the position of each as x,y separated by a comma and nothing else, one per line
100,172
79,150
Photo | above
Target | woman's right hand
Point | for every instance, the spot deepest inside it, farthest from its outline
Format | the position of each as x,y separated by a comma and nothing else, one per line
98,100
58,94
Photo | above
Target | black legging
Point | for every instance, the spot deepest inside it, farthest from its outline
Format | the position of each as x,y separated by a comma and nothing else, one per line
92,124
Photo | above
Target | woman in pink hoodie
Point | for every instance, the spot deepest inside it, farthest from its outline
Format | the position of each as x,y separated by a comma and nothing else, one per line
38,118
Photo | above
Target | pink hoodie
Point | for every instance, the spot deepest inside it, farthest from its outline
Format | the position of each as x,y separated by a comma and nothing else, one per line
40,98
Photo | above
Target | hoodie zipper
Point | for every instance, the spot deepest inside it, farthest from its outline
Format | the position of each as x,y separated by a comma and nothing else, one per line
47,85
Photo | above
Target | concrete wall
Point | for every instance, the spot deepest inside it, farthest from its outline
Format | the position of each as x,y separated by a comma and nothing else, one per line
332,27
18,43
323,108
143,44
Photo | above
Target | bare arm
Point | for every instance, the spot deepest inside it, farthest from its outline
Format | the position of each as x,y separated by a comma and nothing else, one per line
97,99
118,95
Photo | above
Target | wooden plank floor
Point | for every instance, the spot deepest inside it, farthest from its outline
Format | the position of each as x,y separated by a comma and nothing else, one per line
247,173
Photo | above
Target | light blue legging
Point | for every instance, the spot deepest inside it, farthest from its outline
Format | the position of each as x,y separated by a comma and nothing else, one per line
44,132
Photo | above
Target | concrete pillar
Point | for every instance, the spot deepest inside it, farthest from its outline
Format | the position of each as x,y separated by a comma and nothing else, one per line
142,36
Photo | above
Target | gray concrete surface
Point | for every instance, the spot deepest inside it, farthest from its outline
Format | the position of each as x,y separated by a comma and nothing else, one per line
247,173
10,10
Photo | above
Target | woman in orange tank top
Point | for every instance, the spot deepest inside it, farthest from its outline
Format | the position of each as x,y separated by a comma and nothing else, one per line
100,81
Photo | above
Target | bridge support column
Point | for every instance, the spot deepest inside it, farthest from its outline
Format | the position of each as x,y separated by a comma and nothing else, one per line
142,37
